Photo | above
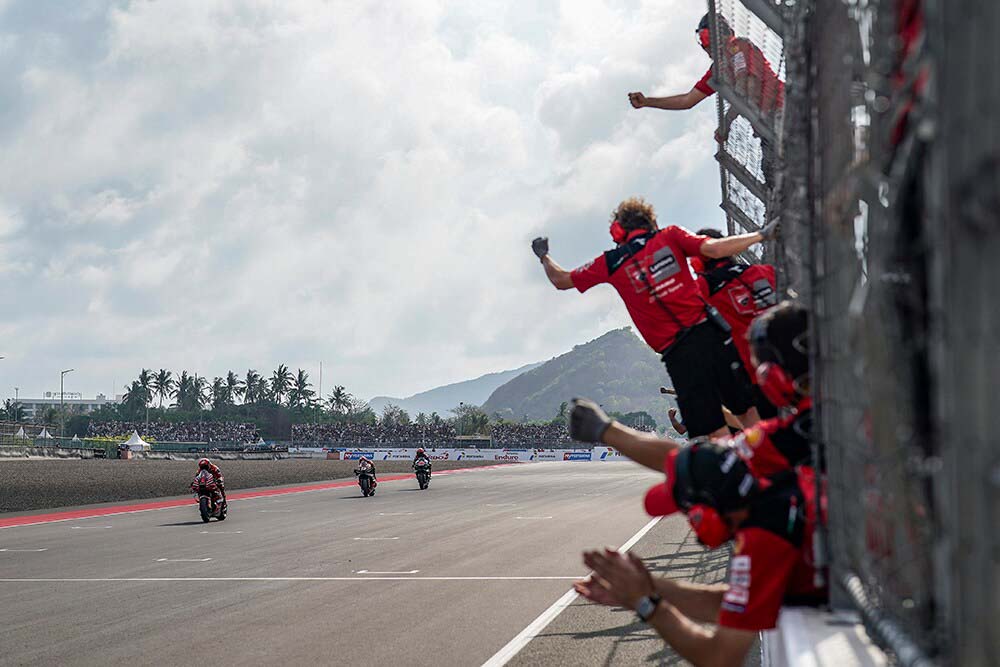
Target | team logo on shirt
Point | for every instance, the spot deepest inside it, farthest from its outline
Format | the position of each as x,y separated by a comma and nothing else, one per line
764,295
738,595
664,264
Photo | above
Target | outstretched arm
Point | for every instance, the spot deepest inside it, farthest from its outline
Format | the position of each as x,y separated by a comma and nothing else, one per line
557,275
670,103
622,579
589,423
728,246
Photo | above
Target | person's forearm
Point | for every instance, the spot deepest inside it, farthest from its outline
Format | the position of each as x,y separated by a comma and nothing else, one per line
556,274
689,640
646,449
700,602
671,103
729,245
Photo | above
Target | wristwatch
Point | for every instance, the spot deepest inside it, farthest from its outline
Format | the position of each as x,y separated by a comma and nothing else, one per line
647,607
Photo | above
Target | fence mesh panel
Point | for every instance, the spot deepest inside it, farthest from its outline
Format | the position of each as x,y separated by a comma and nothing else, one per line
749,76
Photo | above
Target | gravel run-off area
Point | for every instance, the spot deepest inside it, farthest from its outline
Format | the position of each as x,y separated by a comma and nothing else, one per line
34,485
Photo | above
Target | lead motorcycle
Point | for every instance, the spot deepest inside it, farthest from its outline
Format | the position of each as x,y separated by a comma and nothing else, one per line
422,467
366,478
211,503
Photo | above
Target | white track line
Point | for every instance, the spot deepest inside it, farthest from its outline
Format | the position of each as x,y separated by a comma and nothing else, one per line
514,646
239,579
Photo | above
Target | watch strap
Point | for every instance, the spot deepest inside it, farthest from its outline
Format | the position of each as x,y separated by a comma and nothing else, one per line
647,607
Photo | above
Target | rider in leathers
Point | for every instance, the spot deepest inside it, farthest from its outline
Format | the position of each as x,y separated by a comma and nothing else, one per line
421,454
220,482
365,464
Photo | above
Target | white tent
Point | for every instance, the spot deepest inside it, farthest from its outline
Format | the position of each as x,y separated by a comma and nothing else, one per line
76,438
21,435
136,444
44,435
260,441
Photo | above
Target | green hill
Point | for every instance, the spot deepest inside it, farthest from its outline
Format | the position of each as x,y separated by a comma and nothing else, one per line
617,370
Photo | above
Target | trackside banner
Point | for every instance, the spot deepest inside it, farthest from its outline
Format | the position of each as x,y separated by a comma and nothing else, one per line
498,455
607,454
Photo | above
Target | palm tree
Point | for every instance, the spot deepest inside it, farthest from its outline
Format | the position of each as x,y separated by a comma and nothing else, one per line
234,388
339,400
189,394
163,384
13,410
200,391
217,393
145,383
134,399
252,387
300,393
281,381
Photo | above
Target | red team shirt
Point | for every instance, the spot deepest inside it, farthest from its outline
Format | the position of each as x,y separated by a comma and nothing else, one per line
740,293
743,57
768,571
660,263
769,567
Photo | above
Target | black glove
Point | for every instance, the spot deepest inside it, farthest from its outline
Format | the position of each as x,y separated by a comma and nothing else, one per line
540,246
587,421
770,230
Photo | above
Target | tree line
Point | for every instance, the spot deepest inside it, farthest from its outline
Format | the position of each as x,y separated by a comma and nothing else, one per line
271,402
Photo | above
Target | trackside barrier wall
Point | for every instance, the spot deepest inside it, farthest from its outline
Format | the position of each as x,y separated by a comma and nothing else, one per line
499,455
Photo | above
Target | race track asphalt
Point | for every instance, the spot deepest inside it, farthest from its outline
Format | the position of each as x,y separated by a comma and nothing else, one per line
446,576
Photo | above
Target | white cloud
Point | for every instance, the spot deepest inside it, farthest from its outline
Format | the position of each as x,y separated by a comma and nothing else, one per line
240,184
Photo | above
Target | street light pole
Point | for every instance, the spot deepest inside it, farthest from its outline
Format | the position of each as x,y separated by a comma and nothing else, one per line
62,413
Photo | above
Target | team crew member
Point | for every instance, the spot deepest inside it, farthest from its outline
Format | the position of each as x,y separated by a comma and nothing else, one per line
740,292
649,269
750,74
771,523
781,357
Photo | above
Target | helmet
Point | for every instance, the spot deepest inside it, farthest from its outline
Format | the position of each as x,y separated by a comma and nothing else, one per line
363,458
420,450
204,464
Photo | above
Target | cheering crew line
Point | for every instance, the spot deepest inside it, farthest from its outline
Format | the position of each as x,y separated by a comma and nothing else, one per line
756,489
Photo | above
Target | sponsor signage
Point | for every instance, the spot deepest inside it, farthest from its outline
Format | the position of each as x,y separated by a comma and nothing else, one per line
577,456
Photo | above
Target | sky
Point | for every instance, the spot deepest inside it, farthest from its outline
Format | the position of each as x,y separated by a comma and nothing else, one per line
222,185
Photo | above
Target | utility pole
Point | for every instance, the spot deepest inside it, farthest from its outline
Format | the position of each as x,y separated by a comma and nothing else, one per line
62,412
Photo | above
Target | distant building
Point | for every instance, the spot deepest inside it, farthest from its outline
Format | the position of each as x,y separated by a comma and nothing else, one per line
72,401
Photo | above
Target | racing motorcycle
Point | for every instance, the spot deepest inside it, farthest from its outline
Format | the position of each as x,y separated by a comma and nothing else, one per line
423,470
211,504
366,479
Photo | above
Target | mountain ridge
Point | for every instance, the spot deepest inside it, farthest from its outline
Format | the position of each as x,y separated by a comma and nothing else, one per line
617,370
442,399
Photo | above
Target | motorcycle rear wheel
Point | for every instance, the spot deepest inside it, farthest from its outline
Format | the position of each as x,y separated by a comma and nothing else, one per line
203,507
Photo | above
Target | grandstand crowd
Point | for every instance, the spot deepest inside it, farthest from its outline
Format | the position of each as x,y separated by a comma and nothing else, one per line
177,431
388,434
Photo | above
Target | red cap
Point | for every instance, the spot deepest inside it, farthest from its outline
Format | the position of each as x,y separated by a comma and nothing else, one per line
660,498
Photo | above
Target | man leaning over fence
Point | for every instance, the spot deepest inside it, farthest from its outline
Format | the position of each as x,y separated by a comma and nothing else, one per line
649,269
757,489
749,73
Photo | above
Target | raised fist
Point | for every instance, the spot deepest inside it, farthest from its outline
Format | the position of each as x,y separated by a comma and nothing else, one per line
540,246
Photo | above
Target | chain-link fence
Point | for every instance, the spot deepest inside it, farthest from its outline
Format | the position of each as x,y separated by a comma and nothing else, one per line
886,181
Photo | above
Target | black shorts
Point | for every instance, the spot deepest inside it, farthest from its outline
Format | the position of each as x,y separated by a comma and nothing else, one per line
764,407
707,373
